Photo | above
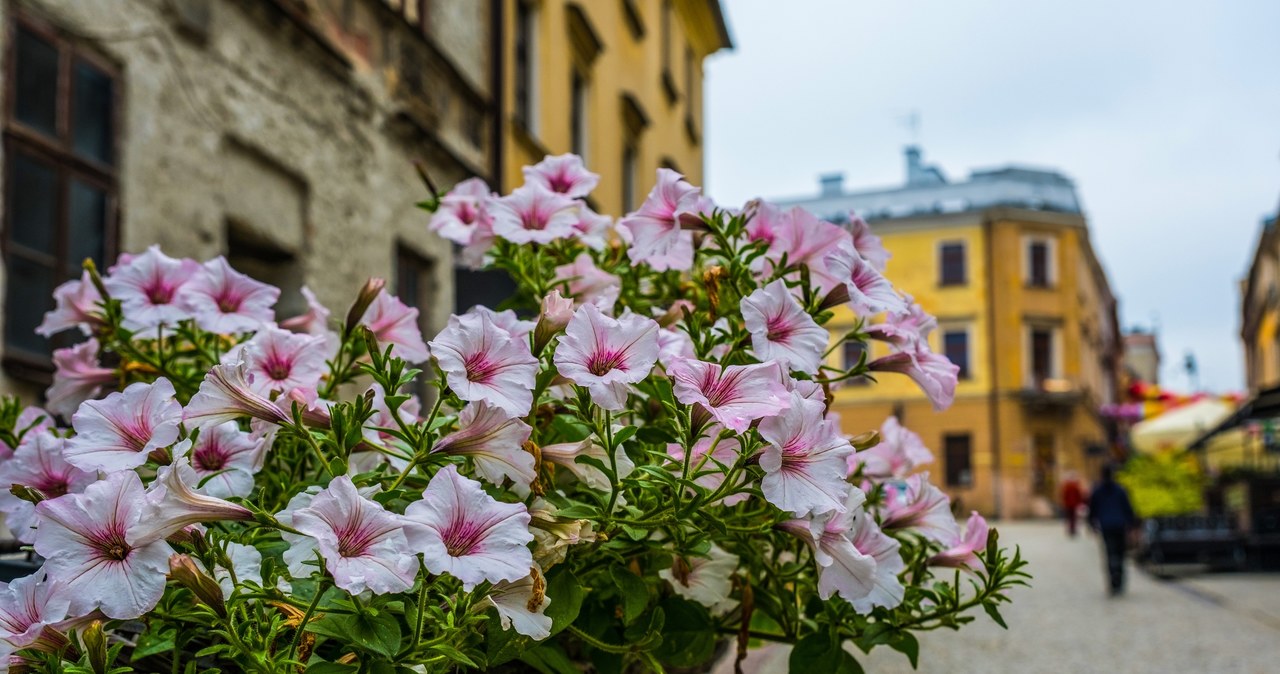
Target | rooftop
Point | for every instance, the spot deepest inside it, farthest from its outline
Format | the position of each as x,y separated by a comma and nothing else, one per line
927,191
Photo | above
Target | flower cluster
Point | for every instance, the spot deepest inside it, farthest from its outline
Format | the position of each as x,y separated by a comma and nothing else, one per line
633,460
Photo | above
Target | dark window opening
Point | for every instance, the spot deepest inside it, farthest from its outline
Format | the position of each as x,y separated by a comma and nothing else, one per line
1041,355
415,286
629,175
578,114
951,264
1038,273
524,64
60,188
266,261
668,80
957,450
955,346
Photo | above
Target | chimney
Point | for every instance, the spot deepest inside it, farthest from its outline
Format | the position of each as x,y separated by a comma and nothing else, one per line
913,163
832,184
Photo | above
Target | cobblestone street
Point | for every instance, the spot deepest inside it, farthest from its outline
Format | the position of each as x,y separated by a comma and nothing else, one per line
1066,622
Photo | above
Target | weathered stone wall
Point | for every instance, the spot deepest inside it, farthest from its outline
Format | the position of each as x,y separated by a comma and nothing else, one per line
269,123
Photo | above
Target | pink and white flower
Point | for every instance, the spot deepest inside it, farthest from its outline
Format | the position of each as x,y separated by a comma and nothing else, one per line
316,319
522,605
224,300
593,228
807,240
805,461
392,322
674,344
933,373
867,244
174,502
735,395
562,174
531,214
587,283
280,362
962,552
654,229
38,464
482,362
607,355
886,587
917,505
77,377
495,442
782,330
565,454
363,544
149,287
896,456
905,330
869,291
506,320
77,305
555,314
462,531
225,395
120,431
224,460
843,569
461,211
27,606
103,547
707,580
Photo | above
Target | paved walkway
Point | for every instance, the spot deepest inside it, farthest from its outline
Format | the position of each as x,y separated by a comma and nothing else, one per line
1066,622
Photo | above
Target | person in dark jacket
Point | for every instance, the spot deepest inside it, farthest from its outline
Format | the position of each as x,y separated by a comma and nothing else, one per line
1111,515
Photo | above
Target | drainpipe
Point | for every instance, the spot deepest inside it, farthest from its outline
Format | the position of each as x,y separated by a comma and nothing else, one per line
993,402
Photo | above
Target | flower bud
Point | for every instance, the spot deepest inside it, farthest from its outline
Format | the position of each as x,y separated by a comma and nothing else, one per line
28,494
838,295
675,313
556,312
183,569
95,645
367,295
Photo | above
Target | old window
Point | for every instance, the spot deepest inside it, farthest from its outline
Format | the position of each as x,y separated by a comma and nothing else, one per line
955,346
635,23
526,67
60,194
693,94
1039,265
1041,347
578,113
951,264
630,173
415,286
957,456
668,80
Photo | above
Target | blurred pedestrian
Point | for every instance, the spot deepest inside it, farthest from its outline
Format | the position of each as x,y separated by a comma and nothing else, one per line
1072,499
1111,515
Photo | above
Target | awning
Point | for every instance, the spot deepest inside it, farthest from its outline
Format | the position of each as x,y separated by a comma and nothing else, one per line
1179,427
1261,407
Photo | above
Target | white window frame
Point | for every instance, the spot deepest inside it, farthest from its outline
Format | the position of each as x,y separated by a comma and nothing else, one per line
1051,258
1055,362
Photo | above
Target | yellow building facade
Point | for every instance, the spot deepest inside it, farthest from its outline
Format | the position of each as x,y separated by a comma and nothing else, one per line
618,82
1024,308
1260,311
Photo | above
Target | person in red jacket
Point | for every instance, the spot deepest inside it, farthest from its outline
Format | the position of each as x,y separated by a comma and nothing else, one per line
1072,499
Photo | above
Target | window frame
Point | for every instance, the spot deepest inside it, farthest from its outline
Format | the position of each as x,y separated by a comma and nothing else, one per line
847,361
964,478
966,369
409,259
59,153
1049,243
944,281
524,98
1054,353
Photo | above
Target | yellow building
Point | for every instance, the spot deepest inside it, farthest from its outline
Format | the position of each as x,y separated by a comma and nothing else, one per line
1260,312
617,82
1024,308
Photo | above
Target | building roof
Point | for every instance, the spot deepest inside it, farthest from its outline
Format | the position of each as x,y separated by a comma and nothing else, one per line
927,190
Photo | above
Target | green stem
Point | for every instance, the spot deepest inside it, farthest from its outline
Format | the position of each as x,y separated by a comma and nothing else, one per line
306,617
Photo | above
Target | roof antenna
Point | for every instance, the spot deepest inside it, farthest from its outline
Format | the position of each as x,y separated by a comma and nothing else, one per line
911,121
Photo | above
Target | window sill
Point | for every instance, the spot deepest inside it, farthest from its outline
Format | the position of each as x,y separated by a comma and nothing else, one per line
953,284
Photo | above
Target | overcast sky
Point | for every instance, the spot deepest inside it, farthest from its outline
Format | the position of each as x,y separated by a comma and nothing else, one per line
1165,113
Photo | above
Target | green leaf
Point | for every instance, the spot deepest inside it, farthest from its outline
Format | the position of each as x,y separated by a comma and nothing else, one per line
995,614
502,645
566,595
634,593
624,434
378,633
655,435
549,659
907,644
688,637
153,642
818,652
